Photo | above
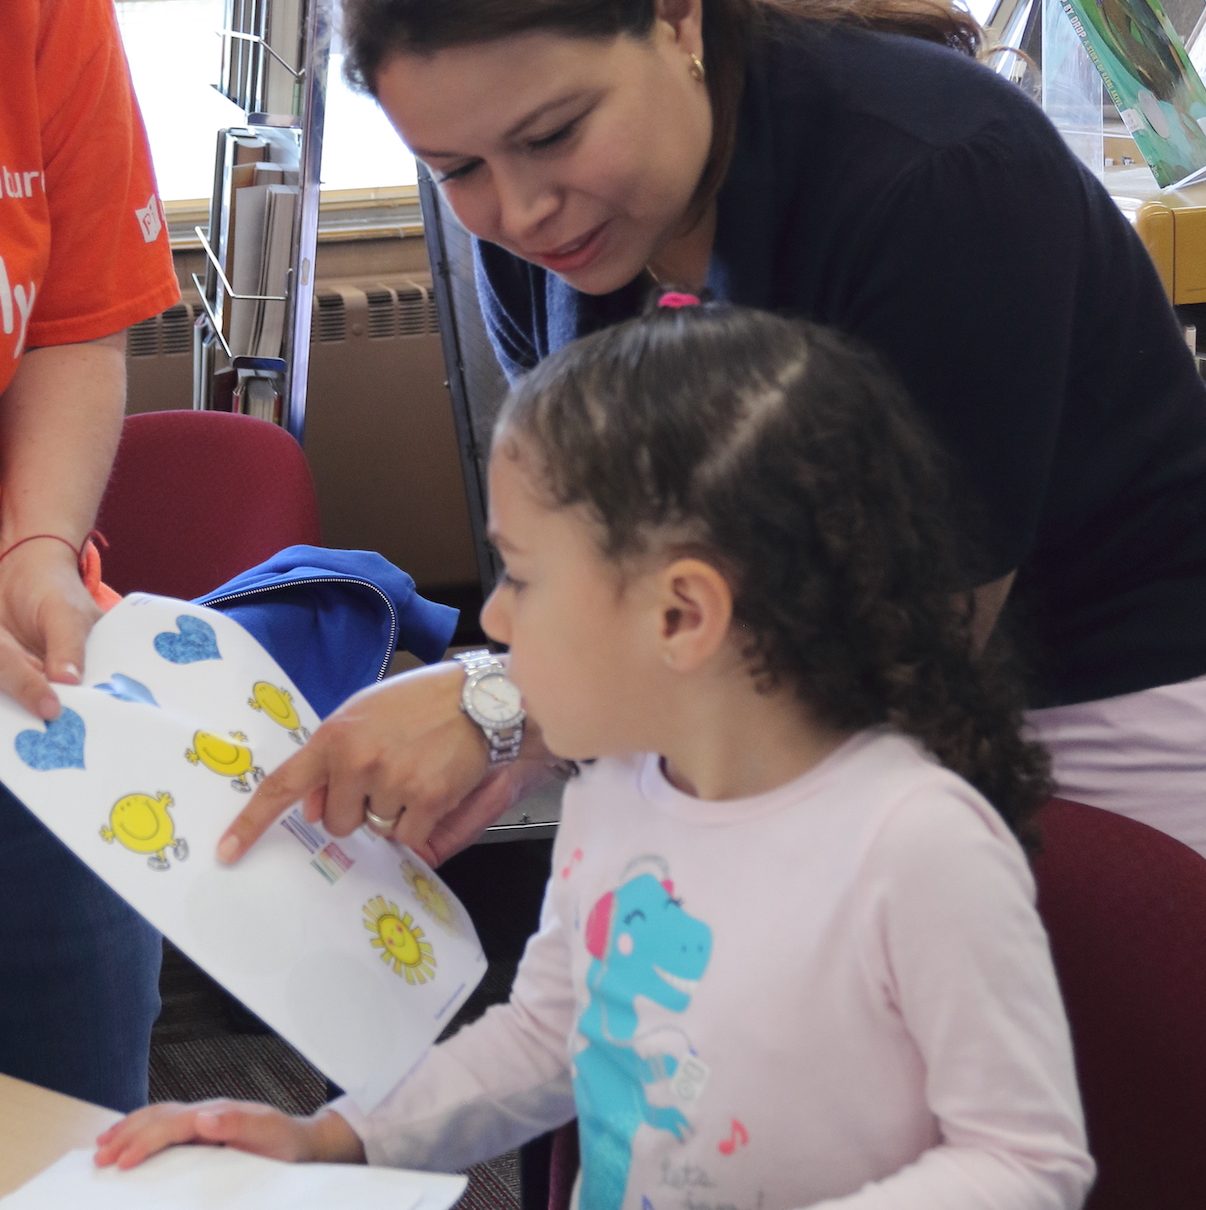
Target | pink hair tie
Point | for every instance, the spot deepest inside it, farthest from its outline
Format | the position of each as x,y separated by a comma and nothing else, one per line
674,298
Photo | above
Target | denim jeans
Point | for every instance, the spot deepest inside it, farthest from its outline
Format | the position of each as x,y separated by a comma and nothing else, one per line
79,971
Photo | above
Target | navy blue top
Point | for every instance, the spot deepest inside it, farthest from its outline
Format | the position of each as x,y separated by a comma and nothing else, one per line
908,195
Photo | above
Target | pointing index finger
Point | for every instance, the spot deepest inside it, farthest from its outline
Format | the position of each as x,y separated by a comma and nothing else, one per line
283,787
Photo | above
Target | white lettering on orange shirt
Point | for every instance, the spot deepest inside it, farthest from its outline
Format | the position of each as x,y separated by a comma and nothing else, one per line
16,303
20,184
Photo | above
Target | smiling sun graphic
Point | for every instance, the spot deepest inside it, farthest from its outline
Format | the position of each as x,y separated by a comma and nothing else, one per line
429,893
400,940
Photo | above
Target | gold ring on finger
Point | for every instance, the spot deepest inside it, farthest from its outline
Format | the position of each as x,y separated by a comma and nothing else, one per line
380,823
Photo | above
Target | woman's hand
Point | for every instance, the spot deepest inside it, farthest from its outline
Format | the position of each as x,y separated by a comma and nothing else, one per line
60,421
45,616
405,750
245,1125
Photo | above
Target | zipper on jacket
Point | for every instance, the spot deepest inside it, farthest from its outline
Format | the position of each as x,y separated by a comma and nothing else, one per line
258,592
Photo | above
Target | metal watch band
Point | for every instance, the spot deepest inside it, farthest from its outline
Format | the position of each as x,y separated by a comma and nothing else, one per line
502,744
481,657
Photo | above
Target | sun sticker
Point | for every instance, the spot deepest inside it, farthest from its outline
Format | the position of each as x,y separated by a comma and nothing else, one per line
429,893
400,940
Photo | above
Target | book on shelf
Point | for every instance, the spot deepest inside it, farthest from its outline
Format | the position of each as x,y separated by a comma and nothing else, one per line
280,214
238,57
1150,79
237,154
262,238
257,79
247,205
281,94
259,395
261,258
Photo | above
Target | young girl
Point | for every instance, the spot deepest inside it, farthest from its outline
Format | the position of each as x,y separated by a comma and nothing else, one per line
789,954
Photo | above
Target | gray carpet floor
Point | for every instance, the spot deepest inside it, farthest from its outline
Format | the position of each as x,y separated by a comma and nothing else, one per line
207,1045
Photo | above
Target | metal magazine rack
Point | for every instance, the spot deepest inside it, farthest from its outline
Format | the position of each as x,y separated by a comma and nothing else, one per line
476,386
251,346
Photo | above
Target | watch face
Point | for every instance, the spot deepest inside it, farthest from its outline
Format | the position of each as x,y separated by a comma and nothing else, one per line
496,699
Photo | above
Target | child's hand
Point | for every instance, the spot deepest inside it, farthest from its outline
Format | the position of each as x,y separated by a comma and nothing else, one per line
244,1125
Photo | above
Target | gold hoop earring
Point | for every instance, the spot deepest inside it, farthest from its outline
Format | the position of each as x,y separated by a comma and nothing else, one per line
696,69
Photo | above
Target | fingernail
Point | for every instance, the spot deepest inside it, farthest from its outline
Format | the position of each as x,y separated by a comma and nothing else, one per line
71,673
48,706
228,849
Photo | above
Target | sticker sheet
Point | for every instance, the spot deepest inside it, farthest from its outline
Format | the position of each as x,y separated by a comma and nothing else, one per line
198,1178
353,950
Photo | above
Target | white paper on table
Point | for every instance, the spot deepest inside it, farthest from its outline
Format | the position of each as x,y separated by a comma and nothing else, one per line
351,949
199,1178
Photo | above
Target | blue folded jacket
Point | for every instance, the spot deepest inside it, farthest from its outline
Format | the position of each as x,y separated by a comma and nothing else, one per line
333,618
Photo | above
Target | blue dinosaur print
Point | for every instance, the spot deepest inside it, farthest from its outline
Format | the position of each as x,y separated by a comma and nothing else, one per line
637,935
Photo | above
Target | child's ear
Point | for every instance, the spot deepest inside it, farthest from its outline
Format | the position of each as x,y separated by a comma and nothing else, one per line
695,609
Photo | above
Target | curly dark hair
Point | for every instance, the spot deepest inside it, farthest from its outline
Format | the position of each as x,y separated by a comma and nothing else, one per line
789,457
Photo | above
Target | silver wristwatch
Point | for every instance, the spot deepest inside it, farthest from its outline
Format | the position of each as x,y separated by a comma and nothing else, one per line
492,700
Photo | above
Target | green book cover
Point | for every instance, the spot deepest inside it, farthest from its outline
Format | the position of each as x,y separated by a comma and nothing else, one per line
1148,74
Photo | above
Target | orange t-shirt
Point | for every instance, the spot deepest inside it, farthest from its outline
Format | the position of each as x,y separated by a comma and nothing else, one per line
83,245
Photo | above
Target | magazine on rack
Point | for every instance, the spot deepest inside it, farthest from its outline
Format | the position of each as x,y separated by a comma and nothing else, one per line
1150,79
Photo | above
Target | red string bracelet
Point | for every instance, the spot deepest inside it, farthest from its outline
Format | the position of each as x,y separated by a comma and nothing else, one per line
77,551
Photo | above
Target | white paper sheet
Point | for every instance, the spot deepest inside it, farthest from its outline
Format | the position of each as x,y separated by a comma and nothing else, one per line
351,949
201,1178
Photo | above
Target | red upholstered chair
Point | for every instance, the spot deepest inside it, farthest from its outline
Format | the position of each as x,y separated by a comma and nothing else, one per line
196,497
1125,908
563,1166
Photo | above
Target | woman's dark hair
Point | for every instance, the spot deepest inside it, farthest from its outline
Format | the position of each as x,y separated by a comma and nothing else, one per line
791,459
374,30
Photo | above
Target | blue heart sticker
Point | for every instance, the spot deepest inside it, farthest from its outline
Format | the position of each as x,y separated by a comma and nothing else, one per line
127,689
60,746
196,641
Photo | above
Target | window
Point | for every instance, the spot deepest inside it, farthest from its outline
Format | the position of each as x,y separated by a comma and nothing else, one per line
174,51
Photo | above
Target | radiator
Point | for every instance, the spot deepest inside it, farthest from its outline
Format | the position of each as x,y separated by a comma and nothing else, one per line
379,432
159,360
379,429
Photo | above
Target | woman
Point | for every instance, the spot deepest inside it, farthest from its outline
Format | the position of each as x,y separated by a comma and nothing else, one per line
83,254
804,156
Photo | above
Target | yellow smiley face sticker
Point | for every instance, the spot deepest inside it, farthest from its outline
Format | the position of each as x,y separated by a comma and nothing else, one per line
402,943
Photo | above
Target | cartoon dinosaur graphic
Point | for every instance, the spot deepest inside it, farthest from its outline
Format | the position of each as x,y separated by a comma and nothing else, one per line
643,944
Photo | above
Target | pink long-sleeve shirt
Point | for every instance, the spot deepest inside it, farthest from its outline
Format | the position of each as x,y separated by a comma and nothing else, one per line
837,994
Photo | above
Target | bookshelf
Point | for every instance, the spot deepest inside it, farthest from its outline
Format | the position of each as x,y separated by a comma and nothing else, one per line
251,345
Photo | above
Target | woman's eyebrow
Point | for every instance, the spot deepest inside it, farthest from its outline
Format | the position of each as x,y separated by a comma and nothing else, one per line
539,112
513,131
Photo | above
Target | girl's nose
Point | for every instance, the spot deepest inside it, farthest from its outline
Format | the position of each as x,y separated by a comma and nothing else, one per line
494,618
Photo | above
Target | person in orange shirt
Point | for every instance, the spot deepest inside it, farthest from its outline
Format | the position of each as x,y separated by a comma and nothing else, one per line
83,254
